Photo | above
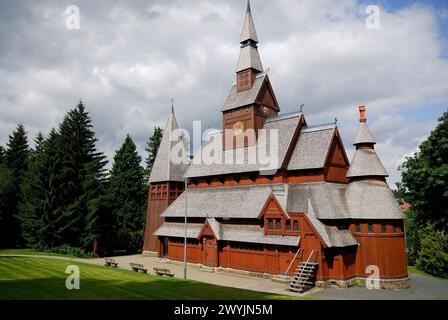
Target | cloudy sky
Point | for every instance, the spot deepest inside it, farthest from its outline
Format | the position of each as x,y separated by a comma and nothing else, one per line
129,58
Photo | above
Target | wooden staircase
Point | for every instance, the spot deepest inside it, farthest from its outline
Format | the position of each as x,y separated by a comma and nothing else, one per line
304,277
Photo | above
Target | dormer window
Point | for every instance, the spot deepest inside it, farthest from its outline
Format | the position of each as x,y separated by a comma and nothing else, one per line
278,225
288,225
295,225
271,224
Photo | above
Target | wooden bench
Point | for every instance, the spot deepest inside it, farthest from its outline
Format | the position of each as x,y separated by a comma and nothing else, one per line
137,267
110,262
163,272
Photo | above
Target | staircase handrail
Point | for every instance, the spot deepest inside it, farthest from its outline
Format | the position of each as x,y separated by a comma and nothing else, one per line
306,263
292,261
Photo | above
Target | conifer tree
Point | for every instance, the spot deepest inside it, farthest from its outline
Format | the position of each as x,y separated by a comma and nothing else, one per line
2,154
82,176
152,147
33,190
16,157
127,191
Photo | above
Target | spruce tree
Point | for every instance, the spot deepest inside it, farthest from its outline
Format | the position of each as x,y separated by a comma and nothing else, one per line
152,147
16,160
2,154
33,189
82,177
127,191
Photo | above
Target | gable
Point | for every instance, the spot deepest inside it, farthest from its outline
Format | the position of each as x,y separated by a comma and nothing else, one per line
266,95
273,209
206,231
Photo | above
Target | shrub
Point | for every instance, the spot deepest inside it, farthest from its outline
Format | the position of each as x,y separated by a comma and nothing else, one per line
72,251
432,256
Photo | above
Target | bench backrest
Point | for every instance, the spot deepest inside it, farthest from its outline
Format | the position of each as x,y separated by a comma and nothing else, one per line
137,265
161,270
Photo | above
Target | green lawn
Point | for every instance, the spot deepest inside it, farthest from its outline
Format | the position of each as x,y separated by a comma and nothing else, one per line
40,278
30,251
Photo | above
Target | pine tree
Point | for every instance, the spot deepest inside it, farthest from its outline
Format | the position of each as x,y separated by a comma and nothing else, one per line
16,157
33,190
152,147
2,154
82,177
127,191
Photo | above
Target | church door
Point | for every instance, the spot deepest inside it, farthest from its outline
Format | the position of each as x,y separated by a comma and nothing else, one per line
210,249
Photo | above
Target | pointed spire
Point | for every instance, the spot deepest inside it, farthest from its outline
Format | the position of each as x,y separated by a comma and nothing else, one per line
172,105
249,57
164,169
364,136
249,32
366,162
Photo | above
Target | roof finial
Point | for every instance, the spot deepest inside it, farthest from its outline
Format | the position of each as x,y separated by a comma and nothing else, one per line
248,6
249,33
301,108
172,105
335,120
362,114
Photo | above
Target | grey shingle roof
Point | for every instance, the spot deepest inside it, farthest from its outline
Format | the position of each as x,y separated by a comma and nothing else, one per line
255,234
327,199
372,200
363,135
237,99
366,163
246,158
222,202
229,232
331,235
312,148
248,31
174,229
163,169
249,58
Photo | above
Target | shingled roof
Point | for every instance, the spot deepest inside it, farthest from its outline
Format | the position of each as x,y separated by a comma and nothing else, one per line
366,163
312,147
245,159
331,235
237,99
363,135
228,232
163,169
221,202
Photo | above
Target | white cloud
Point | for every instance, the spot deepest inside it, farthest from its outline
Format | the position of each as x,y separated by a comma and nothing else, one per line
129,59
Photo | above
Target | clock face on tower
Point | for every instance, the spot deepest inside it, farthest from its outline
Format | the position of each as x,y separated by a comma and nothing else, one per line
238,128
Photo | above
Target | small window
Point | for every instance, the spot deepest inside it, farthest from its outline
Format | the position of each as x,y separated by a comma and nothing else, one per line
278,225
370,228
395,228
383,228
357,227
288,225
295,225
270,224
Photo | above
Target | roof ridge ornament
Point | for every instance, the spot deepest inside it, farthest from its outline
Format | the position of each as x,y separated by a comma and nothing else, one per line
362,114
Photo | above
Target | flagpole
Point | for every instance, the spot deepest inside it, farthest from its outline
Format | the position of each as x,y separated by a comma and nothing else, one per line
185,227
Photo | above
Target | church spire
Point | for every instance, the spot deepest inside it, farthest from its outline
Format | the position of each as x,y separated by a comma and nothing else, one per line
249,32
249,57
365,163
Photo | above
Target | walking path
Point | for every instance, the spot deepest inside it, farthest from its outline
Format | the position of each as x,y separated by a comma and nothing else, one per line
422,287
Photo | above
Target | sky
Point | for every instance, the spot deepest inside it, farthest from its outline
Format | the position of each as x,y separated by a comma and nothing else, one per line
129,58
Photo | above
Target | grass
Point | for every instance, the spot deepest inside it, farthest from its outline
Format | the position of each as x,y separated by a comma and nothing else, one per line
415,270
40,278
34,252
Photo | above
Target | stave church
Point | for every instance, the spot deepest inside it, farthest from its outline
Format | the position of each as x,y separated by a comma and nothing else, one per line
313,217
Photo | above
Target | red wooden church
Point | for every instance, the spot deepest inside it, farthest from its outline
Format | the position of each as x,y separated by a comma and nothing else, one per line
313,216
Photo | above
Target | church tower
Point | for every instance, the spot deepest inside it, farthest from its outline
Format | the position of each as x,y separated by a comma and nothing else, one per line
251,99
166,182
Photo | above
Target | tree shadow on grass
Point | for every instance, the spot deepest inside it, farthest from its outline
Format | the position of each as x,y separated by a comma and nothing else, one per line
92,289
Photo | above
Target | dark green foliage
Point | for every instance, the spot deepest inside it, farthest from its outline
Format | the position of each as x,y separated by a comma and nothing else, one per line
71,251
152,147
127,192
33,188
82,178
425,178
15,166
412,237
2,154
425,186
433,254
